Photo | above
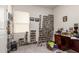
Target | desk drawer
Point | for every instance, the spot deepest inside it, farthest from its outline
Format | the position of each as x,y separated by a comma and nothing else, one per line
75,45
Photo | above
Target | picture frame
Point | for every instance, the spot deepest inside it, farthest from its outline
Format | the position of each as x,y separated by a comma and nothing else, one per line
10,16
65,19
37,19
31,18
76,25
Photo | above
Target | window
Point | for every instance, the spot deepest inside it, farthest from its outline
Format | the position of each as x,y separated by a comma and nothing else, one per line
21,22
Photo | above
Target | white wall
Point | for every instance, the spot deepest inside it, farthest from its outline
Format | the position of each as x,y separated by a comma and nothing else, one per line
3,34
21,24
34,11
21,21
71,11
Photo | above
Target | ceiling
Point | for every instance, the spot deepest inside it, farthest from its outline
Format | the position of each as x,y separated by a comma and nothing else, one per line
43,6
47,6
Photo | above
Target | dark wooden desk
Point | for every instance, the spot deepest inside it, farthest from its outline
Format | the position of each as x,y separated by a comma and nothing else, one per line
65,43
62,42
75,45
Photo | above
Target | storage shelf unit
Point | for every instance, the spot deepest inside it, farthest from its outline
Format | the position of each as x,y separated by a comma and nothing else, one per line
48,26
42,38
33,36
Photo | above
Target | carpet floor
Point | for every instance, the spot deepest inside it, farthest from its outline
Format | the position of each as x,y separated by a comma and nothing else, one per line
34,48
